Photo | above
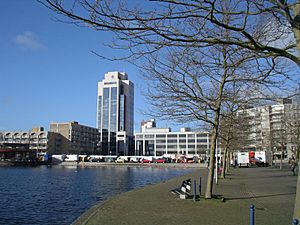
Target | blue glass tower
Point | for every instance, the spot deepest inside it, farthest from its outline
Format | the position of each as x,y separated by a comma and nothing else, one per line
115,114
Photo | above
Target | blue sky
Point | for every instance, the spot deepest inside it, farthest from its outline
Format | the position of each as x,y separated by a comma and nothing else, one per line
47,72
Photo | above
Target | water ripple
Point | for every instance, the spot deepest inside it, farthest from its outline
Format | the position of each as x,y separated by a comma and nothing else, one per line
57,196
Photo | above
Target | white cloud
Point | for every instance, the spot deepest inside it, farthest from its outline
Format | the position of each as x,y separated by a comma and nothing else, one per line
28,40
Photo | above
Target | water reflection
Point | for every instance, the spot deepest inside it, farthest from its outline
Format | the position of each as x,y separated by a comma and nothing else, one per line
58,195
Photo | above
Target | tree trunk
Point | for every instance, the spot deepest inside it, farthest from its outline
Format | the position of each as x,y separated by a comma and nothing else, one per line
216,122
296,27
209,182
281,156
297,199
224,163
228,162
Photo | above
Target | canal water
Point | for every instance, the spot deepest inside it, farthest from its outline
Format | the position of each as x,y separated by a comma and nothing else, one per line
58,195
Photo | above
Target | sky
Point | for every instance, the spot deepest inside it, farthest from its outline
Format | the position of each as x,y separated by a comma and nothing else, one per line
47,71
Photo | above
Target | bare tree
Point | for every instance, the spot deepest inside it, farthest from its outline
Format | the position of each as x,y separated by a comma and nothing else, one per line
191,84
228,126
268,30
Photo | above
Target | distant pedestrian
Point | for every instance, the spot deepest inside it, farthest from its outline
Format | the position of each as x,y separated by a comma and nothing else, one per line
235,163
293,165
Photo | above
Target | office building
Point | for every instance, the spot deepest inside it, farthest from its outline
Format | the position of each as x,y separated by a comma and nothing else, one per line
115,114
76,138
153,141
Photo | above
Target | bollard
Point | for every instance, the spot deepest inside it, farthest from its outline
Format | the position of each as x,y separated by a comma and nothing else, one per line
295,222
194,191
251,214
200,187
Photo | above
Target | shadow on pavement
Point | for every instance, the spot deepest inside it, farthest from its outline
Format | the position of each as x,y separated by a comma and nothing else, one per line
261,196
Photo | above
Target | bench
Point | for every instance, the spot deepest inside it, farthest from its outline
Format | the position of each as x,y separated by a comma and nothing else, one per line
185,190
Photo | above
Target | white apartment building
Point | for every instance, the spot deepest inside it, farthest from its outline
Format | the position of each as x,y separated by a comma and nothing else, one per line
115,114
271,127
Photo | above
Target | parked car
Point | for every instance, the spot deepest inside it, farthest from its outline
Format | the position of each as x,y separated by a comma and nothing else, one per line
160,160
134,160
258,161
145,161
190,160
120,160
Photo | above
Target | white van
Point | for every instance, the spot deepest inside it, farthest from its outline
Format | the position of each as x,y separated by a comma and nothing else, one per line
265,157
243,159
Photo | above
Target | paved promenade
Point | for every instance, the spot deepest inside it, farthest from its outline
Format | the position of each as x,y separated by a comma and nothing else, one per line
271,190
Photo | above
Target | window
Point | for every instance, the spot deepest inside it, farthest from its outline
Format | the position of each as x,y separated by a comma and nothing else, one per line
160,146
113,109
172,146
149,136
122,112
160,136
172,135
105,108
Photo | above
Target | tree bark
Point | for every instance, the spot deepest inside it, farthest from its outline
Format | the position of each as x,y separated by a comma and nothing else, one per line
281,156
228,162
209,182
223,175
296,24
297,199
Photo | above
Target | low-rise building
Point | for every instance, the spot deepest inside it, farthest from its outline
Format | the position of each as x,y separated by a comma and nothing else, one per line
77,138
152,141
37,139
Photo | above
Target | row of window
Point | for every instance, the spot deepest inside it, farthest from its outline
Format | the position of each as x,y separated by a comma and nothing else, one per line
178,146
170,136
180,141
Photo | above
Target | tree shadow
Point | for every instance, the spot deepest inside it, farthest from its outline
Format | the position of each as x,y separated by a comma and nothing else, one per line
259,196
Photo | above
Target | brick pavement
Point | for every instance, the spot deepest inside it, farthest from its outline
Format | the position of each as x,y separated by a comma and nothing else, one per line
271,190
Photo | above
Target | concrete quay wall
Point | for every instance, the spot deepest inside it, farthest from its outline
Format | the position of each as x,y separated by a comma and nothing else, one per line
162,165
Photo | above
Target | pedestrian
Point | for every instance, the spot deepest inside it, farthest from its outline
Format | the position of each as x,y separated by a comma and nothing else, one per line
293,165
235,162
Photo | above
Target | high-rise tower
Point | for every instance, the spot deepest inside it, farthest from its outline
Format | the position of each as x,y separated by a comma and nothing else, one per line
115,114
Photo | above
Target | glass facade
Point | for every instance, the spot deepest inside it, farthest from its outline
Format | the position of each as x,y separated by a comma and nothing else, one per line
115,114
105,108
122,112
99,111
113,109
